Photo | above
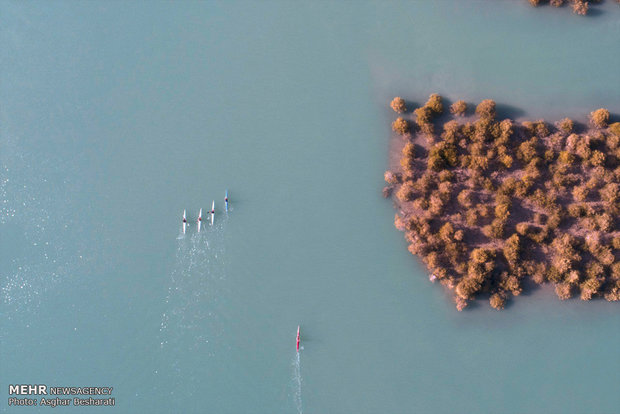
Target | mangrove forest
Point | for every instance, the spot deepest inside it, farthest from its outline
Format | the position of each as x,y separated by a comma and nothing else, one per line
494,206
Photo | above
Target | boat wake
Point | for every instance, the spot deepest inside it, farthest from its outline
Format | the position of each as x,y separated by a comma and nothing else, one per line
297,383
193,288
190,323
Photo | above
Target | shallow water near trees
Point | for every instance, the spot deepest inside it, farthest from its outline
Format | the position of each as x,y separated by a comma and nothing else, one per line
117,116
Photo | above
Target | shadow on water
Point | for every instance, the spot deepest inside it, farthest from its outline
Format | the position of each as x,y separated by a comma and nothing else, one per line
474,304
594,12
508,111
580,127
410,105
529,287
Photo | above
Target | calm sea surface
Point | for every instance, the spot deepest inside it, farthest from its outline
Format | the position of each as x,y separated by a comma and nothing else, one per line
115,116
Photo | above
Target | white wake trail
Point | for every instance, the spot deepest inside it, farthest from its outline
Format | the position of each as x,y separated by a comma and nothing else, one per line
191,321
297,383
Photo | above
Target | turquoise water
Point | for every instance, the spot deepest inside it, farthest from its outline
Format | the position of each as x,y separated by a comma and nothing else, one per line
116,116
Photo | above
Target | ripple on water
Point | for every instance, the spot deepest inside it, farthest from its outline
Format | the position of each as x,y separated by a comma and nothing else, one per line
35,226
